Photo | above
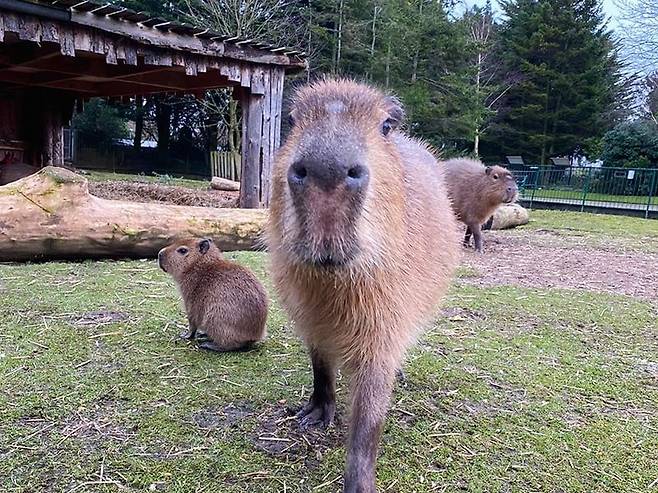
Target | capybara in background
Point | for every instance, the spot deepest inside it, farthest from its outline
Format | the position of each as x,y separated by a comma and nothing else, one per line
476,191
363,244
10,172
223,300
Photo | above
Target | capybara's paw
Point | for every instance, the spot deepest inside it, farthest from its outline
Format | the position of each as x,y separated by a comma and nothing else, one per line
358,486
187,335
401,377
211,346
317,414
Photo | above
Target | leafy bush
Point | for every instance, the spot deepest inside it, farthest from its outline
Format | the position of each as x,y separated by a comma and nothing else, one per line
631,145
99,125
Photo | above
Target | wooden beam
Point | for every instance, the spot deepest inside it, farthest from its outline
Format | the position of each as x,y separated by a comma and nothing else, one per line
261,129
187,43
252,126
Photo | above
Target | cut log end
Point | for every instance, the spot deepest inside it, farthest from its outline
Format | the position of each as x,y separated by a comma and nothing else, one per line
224,184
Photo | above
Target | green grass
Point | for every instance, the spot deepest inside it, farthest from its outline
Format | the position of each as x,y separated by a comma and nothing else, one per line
600,224
518,390
611,232
591,196
159,179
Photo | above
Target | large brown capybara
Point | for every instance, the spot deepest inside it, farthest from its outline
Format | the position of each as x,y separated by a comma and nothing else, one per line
476,191
363,244
224,301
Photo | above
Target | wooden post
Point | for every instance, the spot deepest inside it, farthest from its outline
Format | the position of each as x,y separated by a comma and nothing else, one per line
261,129
56,109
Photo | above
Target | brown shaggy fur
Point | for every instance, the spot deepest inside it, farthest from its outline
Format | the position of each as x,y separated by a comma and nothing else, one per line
222,299
361,272
476,192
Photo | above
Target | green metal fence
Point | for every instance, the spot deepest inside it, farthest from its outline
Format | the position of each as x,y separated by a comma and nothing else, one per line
621,190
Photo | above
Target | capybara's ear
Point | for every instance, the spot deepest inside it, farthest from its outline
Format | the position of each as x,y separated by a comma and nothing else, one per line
487,170
204,245
395,111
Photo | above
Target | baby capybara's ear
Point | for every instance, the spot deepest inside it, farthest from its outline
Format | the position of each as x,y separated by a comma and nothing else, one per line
487,170
204,245
395,111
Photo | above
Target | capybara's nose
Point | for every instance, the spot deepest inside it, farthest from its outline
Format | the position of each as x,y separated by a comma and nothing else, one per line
511,189
327,175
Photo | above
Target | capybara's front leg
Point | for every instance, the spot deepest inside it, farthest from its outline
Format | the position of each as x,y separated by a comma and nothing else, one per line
467,237
371,392
477,238
321,407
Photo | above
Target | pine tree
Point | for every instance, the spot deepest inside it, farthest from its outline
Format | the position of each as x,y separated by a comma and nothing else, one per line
570,77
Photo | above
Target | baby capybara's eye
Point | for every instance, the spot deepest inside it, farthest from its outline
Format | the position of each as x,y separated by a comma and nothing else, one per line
182,250
386,127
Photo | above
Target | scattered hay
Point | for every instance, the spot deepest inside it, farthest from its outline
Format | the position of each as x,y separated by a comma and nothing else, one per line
154,192
96,319
279,435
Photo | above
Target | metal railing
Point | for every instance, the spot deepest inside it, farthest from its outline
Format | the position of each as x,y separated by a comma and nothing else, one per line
623,189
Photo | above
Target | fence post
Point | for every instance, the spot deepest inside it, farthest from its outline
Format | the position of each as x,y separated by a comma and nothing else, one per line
534,187
653,184
586,189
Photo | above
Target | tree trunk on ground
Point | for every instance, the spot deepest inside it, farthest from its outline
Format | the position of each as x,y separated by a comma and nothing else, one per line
509,216
51,215
218,183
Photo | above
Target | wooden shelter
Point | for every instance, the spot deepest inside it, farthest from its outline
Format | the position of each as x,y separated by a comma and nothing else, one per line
53,56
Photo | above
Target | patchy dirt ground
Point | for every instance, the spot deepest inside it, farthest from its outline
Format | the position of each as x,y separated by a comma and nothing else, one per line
542,259
155,192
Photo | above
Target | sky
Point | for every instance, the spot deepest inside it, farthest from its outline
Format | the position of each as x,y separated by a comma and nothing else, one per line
609,8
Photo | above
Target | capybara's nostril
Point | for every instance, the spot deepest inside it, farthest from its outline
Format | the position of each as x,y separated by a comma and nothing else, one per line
511,189
297,174
357,176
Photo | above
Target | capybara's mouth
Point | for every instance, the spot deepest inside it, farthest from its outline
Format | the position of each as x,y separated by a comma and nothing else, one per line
512,197
330,262
327,257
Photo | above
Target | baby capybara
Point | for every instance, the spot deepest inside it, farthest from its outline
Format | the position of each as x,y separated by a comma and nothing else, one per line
476,191
223,300
363,244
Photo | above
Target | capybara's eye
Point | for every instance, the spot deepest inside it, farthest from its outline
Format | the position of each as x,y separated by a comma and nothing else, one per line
386,127
495,177
182,250
291,120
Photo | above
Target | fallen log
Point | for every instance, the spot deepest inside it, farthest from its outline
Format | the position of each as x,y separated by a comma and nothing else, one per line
508,216
218,183
51,215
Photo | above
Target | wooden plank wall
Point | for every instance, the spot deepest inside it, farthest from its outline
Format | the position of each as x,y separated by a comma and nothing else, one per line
261,131
226,165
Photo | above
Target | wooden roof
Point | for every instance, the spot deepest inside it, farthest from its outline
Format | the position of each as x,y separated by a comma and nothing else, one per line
96,49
